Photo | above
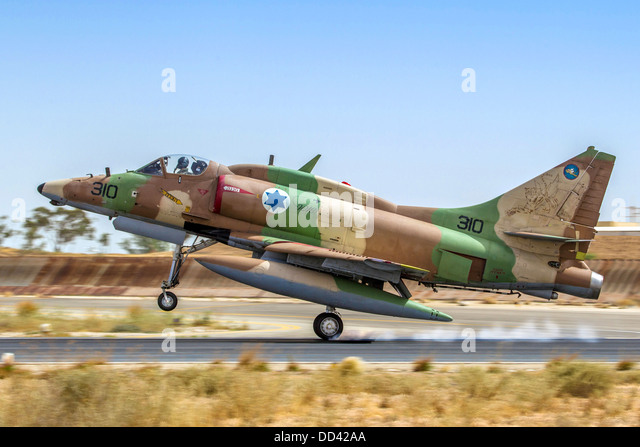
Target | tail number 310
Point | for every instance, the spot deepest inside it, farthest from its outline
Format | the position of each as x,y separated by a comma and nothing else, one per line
470,224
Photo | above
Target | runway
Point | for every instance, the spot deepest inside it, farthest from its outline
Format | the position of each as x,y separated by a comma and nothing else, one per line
280,331
211,350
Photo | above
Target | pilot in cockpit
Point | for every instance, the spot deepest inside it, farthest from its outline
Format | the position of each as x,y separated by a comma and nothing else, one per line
198,167
182,167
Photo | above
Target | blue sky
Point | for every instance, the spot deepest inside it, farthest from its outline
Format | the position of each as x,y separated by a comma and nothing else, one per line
375,87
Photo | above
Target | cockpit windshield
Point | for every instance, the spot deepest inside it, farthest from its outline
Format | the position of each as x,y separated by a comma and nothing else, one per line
185,164
176,164
153,168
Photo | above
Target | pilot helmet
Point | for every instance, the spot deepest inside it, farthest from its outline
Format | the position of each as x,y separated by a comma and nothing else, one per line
183,162
198,167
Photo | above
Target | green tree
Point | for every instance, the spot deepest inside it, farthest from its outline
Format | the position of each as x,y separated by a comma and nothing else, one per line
140,244
104,240
63,225
5,231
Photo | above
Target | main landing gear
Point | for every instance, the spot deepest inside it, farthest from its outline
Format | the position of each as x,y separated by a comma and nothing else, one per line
168,301
328,325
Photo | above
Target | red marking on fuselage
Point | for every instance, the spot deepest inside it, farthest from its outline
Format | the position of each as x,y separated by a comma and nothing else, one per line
222,188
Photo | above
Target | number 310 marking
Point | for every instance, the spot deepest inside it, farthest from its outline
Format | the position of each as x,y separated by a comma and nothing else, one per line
471,224
110,191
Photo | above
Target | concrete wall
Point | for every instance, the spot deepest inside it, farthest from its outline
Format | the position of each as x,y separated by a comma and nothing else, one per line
110,275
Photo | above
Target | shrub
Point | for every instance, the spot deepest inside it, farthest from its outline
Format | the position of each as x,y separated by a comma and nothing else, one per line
350,366
26,309
476,382
250,360
135,312
422,365
579,379
625,365
125,327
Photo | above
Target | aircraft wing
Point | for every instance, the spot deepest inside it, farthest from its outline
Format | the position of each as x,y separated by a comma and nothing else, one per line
372,270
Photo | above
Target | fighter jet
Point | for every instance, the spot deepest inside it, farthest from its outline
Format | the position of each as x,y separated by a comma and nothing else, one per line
330,243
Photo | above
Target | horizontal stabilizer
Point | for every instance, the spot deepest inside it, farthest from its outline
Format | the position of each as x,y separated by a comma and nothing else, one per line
544,237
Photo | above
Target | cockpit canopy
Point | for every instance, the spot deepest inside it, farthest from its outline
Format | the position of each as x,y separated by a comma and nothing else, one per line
180,164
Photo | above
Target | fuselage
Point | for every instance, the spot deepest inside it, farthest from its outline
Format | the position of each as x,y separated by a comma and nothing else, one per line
451,246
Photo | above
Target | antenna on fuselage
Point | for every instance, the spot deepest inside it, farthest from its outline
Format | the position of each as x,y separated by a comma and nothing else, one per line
271,157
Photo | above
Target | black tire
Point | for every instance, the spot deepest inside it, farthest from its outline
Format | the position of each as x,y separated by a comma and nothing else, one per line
328,326
169,303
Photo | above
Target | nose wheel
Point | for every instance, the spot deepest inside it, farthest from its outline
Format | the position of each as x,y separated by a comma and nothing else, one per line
167,301
328,325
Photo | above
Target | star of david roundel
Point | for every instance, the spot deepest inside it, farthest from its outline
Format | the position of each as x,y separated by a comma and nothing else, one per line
275,200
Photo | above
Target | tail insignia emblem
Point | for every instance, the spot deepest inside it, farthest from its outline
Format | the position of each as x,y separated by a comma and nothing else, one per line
571,172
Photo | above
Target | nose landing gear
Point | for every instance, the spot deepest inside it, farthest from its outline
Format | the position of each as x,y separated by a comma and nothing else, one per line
168,301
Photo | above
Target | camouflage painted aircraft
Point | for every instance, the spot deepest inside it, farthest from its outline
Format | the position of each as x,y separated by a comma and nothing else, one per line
330,243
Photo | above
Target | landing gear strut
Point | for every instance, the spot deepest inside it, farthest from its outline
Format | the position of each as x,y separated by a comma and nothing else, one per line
328,325
168,301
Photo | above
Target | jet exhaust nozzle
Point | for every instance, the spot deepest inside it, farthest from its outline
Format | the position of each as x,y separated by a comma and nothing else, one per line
581,282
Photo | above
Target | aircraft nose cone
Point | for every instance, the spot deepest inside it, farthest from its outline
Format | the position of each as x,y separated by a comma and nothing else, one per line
40,188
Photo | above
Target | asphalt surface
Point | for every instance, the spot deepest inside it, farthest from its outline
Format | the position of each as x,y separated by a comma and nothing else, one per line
280,331
209,350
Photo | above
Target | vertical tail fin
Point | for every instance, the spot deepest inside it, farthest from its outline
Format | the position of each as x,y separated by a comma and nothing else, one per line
540,232
563,202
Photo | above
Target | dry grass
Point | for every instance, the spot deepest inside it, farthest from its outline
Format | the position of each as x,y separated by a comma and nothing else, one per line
565,393
28,319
